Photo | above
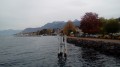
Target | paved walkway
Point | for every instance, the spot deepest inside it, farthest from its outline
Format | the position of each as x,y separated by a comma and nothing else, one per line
95,39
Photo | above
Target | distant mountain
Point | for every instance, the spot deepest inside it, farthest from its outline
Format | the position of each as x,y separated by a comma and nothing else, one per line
76,22
53,25
31,30
9,32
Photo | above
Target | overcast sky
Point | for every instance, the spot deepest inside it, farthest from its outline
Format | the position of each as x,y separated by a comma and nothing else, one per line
21,14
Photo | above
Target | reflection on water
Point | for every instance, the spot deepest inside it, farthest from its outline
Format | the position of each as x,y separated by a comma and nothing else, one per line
91,58
61,62
42,52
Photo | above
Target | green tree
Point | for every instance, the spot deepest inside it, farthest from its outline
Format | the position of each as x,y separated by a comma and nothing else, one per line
103,22
112,26
49,31
43,31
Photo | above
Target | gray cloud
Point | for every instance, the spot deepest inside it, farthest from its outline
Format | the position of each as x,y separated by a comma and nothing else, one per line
19,14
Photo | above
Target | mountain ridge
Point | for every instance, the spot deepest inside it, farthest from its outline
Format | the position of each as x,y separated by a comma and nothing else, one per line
52,25
9,32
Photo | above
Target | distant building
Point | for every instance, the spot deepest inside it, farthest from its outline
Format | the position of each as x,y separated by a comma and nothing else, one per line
78,31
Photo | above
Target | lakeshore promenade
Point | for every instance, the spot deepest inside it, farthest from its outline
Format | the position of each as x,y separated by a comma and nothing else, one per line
96,39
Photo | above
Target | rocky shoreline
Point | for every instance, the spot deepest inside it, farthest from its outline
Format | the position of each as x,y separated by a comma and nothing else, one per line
109,48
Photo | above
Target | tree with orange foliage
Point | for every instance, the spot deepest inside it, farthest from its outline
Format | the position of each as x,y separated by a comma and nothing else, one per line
90,23
69,28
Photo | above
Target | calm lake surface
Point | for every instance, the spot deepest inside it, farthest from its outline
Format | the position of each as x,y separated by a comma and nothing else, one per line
42,52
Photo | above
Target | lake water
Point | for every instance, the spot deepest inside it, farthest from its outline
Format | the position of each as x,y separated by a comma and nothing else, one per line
42,52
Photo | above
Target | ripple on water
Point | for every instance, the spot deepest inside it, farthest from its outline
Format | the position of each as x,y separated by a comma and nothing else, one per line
42,52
